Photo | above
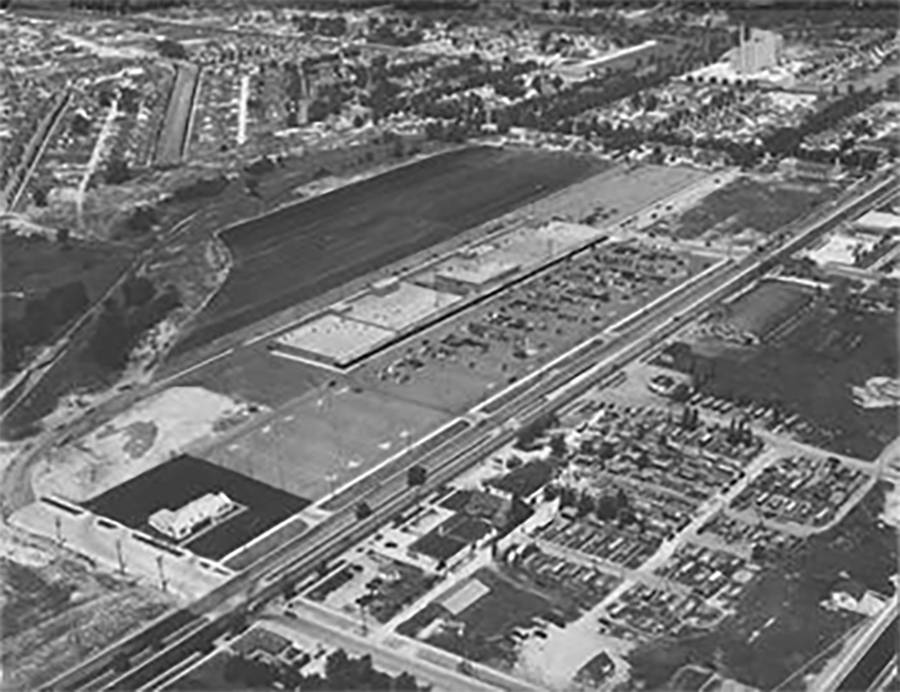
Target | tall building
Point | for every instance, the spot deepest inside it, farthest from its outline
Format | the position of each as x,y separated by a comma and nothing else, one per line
757,50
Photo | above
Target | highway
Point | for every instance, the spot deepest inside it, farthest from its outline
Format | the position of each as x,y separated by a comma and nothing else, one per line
144,658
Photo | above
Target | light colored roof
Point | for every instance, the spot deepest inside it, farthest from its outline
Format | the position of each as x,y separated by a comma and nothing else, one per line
464,597
193,513
879,220
336,337
405,305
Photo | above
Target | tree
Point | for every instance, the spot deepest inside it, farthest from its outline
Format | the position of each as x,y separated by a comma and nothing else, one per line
558,447
363,510
586,504
416,476
606,508
62,235
117,172
171,49
108,345
681,393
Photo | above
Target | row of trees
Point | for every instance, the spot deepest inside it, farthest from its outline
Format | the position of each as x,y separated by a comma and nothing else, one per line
342,672
43,318
606,507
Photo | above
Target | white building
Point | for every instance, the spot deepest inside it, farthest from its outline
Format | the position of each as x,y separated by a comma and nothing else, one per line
757,51
180,523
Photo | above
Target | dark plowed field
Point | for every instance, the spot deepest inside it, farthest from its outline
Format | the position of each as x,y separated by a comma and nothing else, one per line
302,251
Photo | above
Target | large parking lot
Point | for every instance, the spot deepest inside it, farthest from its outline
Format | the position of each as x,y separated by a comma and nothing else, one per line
455,364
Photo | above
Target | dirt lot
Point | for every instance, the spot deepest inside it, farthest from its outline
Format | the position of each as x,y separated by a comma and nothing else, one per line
307,249
318,444
56,611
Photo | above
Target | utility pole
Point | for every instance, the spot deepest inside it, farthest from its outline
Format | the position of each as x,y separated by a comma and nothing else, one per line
119,554
162,574
59,536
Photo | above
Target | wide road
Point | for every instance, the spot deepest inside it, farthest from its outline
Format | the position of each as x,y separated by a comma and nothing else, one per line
147,655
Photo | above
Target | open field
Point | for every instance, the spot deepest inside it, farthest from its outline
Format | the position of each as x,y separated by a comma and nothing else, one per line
177,482
747,206
56,610
35,265
307,249
254,374
812,372
317,445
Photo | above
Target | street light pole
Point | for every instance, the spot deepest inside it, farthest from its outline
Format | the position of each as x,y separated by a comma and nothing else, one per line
162,575
119,554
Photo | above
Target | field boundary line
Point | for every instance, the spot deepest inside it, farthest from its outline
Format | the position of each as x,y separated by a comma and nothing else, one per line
306,361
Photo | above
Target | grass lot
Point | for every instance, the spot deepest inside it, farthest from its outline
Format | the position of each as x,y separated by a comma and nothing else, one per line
304,250
746,203
35,265
343,432
256,375
812,373
784,607
210,676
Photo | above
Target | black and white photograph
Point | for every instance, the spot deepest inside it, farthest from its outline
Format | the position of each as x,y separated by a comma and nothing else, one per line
450,345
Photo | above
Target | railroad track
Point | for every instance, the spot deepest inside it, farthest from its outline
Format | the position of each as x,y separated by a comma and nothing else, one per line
147,658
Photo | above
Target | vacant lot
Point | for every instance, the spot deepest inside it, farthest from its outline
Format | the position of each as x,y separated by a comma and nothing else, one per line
56,612
186,478
254,374
748,204
35,265
812,372
302,251
318,444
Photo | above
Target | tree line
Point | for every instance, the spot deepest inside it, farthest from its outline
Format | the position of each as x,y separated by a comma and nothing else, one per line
342,672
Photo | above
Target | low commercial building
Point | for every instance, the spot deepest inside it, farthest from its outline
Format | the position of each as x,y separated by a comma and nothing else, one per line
180,523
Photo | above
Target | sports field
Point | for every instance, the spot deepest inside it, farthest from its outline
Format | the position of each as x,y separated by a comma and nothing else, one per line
302,251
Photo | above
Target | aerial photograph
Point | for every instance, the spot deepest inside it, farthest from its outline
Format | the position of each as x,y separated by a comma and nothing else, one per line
450,345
